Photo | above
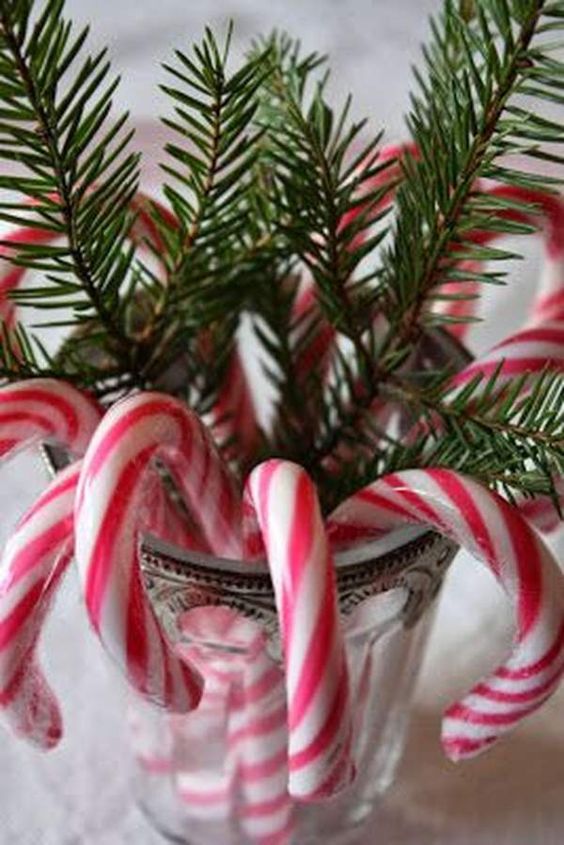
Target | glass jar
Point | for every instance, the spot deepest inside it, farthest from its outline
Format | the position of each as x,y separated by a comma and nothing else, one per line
193,778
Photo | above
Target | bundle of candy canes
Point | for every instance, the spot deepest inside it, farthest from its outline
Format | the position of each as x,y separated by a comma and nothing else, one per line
290,726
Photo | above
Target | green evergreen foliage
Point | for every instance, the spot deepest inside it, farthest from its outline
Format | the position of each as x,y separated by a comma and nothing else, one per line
259,175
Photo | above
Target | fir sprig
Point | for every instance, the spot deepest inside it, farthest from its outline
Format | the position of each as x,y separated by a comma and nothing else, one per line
269,188
465,122
73,166
208,166
510,433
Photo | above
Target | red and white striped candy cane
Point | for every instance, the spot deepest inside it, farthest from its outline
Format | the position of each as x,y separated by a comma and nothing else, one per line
259,734
497,534
234,410
319,723
530,350
12,275
218,642
133,434
244,687
549,305
38,551
33,562
548,213
233,416
46,410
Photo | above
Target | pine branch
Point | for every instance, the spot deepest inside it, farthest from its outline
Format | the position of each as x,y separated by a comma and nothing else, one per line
463,121
511,435
322,183
208,168
55,110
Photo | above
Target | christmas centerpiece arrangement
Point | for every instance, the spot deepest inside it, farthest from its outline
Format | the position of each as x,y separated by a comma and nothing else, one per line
351,270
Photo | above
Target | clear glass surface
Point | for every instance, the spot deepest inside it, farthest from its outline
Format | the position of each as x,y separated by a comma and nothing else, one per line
188,778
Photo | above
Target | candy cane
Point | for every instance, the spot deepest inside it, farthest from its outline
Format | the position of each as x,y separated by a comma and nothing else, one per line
319,722
132,435
11,276
45,410
529,351
497,534
218,642
548,212
234,412
38,552
259,734
33,563
233,416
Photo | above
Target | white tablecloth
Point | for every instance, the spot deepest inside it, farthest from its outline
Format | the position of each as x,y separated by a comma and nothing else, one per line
78,794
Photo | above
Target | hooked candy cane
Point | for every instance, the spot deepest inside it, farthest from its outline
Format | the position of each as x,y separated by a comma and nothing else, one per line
45,410
134,433
497,534
12,275
548,212
319,723
530,350
234,412
39,550
34,561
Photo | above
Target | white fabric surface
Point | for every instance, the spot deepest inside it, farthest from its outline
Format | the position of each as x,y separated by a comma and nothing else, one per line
78,794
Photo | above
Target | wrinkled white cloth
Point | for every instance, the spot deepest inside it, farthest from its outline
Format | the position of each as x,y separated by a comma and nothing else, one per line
79,794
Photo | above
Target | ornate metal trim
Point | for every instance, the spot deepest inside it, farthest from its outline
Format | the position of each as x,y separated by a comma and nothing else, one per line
177,581
414,559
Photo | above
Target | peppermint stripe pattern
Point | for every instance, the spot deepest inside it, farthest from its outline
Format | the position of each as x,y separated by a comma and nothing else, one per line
218,642
34,560
133,434
259,735
494,532
529,351
319,721
45,410
545,211
39,550
233,417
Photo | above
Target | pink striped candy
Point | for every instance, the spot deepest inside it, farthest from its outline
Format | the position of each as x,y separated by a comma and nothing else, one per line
259,735
529,351
234,412
548,302
12,275
41,410
133,434
497,534
218,641
34,560
319,723
233,416
244,687
38,551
